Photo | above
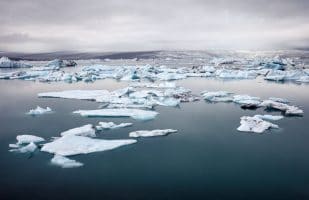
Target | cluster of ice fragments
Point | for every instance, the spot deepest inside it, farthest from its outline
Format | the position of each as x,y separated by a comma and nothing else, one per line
26,143
273,69
246,101
80,140
127,102
256,123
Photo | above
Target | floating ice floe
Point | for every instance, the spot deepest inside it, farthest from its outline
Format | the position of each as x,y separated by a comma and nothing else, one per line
76,94
39,111
86,130
26,139
29,148
254,124
65,162
154,85
303,79
247,102
152,133
5,62
280,100
121,112
269,117
287,109
73,145
111,125
26,143
217,96
236,74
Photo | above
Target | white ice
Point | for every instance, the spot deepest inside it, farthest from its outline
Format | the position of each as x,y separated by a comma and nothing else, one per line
287,109
26,139
254,124
111,125
39,111
269,117
86,130
65,162
76,94
217,96
29,148
121,112
73,145
152,133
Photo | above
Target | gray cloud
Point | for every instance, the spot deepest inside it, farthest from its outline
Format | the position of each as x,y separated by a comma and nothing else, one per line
122,25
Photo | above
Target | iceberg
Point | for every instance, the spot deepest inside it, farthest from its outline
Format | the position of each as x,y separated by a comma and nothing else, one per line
236,74
26,139
65,162
76,94
121,112
303,79
280,100
217,96
5,62
111,125
254,124
153,133
247,102
29,148
154,85
39,111
86,130
269,117
73,145
287,109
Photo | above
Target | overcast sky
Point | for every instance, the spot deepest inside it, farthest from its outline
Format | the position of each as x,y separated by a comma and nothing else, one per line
136,25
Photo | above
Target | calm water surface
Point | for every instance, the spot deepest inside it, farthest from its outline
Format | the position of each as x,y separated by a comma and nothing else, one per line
207,159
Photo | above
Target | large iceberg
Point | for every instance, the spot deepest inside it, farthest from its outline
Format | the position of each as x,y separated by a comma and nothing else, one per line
121,112
152,133
5,62
73,145
254,124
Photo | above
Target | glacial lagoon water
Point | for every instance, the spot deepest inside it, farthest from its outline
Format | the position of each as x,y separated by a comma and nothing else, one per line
207,159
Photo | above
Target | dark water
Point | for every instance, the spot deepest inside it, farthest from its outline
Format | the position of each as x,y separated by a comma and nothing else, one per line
206,159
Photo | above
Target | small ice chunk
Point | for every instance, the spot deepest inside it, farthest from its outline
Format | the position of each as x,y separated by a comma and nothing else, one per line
86,130
254,124
65,162
145,133
73,145
39,111
287,109
26,139
121,112
217,96
111,125
29,148
269,117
